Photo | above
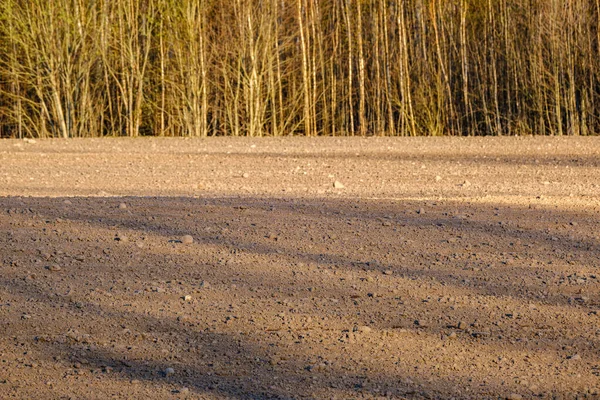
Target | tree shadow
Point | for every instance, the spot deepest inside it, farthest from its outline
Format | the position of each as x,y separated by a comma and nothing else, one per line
348,284
447,232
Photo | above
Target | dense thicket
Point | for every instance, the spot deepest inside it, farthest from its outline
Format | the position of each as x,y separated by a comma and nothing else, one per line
72,68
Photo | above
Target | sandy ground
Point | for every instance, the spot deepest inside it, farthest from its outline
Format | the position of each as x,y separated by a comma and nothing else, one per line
443,268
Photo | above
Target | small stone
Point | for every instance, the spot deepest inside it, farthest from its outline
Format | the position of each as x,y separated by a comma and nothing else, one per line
169,371
370,279
514,396
364,329
54,268
338,185
271,236
184,390
438,178
187,297
574,357
421,211
121,238
275,360
187,239
204,285
388,272
461,325
246,175
135,382
122,206
67,202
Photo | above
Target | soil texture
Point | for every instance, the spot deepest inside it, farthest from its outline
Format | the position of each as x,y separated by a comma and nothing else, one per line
348,268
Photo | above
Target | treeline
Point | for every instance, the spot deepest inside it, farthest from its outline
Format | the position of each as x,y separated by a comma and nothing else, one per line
81,68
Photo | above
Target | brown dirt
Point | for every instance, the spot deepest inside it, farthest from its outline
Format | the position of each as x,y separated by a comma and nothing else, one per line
465,268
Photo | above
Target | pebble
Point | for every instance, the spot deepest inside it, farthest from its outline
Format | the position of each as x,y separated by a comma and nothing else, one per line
338,185
187,297
246,175
514,396
122,206
187,239
364,329
319,367
169,371
54,268
421,211
388,272
574,357
67,202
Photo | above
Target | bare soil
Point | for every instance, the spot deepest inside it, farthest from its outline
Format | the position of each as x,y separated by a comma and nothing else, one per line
435,268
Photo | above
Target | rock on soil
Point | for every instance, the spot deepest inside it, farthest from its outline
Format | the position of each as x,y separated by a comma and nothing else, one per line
187,239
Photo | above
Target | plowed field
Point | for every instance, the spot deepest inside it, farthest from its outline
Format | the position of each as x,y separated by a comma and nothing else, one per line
239,268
